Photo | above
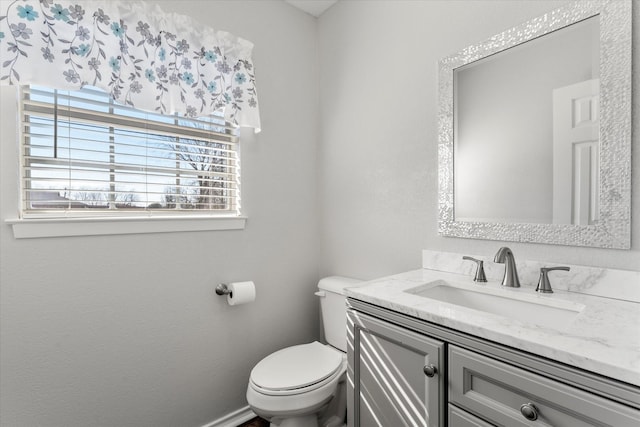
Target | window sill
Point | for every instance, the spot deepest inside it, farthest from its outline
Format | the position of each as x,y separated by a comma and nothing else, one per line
69,227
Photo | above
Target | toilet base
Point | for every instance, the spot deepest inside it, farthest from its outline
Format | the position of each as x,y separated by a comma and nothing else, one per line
306,421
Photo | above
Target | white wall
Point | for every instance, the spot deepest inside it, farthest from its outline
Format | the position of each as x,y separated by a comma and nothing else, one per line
378,152
125,330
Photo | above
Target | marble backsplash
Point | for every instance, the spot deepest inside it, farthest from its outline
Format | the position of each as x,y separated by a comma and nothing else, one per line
604,282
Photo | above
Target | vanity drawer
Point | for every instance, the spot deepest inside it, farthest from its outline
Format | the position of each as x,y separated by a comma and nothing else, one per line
460,418
496,391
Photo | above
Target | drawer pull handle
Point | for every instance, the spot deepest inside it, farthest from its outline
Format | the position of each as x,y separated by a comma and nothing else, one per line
430,370
529,411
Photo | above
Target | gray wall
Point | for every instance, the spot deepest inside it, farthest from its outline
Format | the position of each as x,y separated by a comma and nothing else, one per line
378,150
125,330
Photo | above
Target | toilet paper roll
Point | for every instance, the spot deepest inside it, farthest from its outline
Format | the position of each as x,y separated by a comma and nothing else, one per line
241,293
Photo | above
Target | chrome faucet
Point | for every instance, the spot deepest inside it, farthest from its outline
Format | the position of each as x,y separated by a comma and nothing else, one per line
480,276
505,256
544,285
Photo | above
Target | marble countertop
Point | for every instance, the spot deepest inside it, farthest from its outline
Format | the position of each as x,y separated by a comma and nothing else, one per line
604,337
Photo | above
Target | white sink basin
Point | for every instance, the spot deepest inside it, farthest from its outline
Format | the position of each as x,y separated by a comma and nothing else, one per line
541,310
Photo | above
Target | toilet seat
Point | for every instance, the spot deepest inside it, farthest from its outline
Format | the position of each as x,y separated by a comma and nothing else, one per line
297,369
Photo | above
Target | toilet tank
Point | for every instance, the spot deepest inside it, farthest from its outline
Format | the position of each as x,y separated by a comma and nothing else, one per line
333,309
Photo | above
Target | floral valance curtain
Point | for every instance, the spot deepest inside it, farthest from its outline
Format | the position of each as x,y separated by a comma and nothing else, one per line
142,56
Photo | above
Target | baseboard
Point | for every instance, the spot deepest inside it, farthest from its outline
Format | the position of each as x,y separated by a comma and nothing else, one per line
234,419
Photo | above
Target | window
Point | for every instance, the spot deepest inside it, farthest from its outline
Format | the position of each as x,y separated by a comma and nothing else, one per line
85,156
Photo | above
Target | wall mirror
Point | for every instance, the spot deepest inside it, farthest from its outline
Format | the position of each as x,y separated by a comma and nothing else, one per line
535,131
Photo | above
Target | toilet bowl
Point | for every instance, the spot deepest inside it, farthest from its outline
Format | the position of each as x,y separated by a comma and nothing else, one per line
294,386
305,385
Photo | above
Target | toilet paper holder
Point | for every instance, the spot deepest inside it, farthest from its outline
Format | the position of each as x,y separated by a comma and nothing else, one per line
237,293
223,289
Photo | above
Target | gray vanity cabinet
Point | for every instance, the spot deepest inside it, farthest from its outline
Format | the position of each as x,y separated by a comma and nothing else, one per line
395,375
406,372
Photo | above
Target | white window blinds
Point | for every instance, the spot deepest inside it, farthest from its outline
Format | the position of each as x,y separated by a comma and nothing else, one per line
82,154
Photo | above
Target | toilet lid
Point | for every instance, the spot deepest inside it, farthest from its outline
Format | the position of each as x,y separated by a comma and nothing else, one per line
296,367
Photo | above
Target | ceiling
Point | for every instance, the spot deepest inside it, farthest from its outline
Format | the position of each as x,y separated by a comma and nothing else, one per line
312,7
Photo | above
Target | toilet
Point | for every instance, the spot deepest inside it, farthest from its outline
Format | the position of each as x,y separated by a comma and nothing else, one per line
305,385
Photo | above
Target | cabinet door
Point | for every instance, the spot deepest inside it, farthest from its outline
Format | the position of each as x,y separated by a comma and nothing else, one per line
396,376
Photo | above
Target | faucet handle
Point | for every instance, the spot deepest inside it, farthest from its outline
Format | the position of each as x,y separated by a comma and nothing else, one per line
544,285
479,277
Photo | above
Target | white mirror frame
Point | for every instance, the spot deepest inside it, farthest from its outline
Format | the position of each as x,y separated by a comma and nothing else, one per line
613,229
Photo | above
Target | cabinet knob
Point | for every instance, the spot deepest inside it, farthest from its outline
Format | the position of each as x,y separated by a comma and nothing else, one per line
430,370
529,411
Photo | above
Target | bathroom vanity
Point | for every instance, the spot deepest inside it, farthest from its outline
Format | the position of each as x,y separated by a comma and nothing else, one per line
417,360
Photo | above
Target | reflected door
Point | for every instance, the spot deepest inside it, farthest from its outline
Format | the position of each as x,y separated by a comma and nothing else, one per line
394,375
576,153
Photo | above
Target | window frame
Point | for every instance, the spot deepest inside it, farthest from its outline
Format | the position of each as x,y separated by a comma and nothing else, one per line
34,224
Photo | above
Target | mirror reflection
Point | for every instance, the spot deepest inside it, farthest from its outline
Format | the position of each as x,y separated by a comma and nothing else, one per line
526,131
